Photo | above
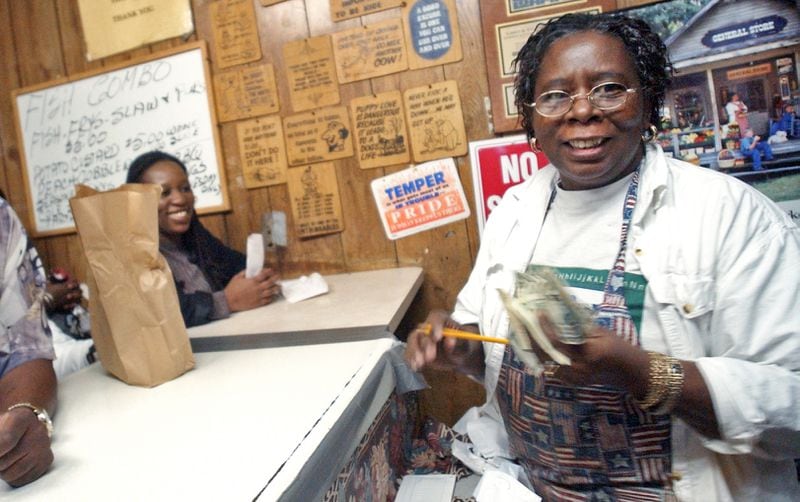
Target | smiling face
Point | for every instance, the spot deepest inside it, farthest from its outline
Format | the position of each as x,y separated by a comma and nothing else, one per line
176,205
590,147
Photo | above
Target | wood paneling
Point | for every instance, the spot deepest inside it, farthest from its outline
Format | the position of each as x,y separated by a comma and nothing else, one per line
37,43
11,178
42,39
73,47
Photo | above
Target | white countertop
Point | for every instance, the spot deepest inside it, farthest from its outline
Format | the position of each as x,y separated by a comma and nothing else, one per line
359,305
241,422
279,415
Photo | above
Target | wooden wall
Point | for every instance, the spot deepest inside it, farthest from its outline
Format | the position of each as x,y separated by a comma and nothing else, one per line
41,40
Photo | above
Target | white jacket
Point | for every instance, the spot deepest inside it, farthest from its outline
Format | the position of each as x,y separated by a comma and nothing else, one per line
723,269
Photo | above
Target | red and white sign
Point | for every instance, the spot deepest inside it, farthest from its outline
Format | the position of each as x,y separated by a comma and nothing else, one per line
497,165
419,198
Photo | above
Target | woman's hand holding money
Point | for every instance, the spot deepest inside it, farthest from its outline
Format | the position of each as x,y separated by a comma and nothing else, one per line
603,358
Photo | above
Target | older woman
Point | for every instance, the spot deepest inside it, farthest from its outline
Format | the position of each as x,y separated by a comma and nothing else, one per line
209,275
688,383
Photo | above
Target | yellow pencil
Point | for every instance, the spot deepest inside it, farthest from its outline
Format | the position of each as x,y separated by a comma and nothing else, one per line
464,335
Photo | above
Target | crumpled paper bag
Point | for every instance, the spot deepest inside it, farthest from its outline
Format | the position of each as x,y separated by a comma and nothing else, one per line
137,327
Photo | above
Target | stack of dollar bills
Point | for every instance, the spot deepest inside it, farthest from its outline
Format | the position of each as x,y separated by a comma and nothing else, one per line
541,291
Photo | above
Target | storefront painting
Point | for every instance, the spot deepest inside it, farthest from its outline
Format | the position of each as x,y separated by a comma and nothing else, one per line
718,48
702,38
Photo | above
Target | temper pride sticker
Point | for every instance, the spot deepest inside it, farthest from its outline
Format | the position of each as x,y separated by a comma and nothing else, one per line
419,198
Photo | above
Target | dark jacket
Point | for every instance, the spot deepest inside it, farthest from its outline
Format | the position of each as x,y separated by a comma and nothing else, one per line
219,264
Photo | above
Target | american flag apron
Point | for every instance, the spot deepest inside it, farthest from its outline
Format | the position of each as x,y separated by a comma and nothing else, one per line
589,443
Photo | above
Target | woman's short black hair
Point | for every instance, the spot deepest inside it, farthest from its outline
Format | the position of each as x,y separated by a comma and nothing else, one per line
645,47
143,162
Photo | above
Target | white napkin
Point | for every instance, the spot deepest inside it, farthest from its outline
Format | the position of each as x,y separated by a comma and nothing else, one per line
255,255
497,486
426,488
302,288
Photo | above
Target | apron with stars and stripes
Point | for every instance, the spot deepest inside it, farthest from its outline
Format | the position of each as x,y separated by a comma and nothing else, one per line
593,442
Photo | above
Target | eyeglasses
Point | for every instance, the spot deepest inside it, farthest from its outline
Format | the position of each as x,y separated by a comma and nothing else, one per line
605,96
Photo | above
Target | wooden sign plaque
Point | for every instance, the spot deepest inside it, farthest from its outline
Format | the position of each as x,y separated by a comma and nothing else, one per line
262,151
318,136
246,92
380,130
311,73
370,51
435,121
316,205
233,23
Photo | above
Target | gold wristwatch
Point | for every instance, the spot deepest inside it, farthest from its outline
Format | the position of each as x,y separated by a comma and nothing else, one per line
41,415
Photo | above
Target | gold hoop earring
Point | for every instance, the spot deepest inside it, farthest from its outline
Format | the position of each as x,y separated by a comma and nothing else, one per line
534,146
649,135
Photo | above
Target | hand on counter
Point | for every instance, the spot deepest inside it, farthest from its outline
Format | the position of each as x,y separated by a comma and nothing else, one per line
25,452
245,294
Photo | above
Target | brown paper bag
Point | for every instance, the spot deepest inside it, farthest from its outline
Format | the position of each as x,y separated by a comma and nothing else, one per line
137,325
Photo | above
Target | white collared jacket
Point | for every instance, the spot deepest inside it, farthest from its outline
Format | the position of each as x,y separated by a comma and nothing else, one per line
722,263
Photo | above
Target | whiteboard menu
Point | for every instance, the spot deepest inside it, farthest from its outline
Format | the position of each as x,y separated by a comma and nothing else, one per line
88,128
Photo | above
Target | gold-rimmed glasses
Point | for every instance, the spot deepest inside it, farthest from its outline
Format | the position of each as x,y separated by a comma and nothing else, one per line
605,96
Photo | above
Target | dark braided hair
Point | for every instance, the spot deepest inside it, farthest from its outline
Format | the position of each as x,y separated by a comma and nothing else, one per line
648,52
197,238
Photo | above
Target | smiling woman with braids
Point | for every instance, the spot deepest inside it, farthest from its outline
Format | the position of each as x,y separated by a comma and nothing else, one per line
209,275
688,384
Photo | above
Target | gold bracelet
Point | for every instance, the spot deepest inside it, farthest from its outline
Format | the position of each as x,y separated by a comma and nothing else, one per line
675,378
665,384
41,415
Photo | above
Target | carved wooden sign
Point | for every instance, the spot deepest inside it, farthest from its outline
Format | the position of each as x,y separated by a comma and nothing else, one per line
435,121
370,51
380,130
233,23
318,136
316,205
246,92
348,9
311,73
262,152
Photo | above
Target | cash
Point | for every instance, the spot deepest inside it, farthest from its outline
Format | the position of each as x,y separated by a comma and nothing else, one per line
542,291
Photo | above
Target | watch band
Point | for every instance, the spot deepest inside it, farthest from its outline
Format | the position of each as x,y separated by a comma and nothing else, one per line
664,385
41,415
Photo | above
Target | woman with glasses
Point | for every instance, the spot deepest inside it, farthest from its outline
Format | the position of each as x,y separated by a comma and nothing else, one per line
686,386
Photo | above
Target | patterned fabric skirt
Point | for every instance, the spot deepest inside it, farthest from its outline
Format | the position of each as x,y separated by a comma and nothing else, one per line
397,443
